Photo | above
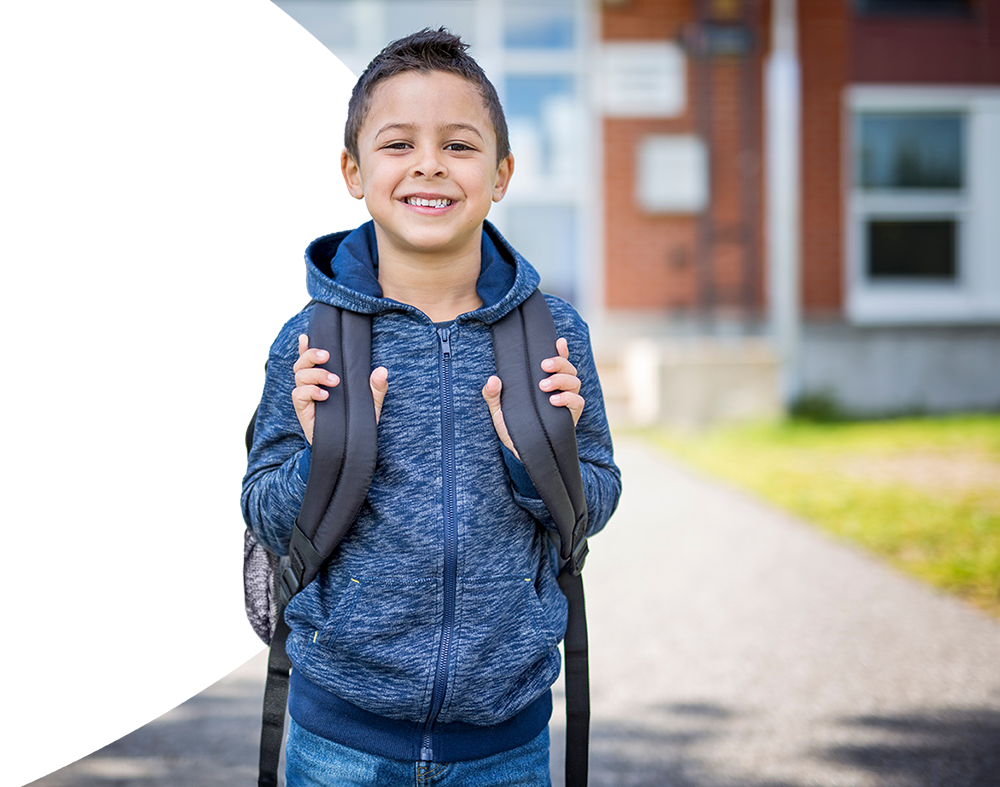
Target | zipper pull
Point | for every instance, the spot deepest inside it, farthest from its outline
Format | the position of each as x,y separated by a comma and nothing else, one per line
445,336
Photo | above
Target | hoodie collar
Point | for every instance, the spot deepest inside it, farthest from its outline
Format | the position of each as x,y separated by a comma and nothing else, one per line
342,269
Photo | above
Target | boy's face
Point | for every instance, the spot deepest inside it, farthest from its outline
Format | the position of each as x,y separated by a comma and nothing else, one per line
427,171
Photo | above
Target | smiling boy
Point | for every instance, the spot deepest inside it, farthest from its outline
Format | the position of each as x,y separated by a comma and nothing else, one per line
425,650
428,166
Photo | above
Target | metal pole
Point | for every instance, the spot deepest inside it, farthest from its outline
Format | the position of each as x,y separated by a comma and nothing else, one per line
783,152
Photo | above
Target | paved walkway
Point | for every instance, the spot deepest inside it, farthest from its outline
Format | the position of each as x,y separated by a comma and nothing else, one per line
730,646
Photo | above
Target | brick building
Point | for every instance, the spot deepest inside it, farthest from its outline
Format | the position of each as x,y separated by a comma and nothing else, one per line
801,188
885,294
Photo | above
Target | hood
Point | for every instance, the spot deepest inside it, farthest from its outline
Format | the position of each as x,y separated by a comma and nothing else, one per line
342,270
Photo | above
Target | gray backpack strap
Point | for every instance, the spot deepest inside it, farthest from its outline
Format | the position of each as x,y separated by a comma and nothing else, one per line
344,450
345,428
545,438
544,435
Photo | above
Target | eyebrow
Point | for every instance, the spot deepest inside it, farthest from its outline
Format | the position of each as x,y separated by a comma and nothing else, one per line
410,128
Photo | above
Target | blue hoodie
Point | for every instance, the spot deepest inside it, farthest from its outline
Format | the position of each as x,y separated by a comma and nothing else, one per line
432,632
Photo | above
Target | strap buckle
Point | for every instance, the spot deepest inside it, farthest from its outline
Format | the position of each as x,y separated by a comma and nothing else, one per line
290,580
575,563
288,585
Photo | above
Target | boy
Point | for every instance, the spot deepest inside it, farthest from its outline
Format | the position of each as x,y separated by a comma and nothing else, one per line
428,644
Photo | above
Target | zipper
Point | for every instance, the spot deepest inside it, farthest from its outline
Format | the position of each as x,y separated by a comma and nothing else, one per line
450,521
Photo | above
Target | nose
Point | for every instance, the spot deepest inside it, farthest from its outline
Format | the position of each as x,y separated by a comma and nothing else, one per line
429,163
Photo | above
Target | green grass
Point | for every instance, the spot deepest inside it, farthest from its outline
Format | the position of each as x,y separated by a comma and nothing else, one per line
923,493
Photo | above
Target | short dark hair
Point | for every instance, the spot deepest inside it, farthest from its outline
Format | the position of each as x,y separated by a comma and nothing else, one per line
427,50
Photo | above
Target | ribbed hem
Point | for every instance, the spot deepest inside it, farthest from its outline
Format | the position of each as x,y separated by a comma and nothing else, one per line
323,713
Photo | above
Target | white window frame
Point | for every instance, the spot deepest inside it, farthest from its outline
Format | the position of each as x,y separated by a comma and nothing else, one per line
974,295
583,196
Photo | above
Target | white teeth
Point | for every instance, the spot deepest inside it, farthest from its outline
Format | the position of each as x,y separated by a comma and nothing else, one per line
428,203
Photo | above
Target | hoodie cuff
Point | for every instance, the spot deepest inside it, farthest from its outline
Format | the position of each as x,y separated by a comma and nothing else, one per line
518,475
303,464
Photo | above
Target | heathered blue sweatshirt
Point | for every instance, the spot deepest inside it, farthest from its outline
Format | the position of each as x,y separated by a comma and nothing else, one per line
432,632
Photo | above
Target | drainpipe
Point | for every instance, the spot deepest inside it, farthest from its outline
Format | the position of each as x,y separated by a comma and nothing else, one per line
783,145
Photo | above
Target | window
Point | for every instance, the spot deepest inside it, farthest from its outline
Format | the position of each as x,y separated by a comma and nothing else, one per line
909,170
403,17
915,7
547,237
544,117
536,54
922,231
916,249
333,24
902,150
529,24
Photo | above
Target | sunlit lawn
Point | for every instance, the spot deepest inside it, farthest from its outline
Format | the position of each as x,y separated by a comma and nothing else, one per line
923,493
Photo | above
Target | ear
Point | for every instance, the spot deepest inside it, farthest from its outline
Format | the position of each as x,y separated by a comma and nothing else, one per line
504,173
352,175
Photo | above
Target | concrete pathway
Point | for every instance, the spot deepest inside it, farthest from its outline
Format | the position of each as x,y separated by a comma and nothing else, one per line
730,645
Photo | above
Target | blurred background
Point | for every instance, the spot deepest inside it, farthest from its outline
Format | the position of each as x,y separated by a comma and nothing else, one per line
757,205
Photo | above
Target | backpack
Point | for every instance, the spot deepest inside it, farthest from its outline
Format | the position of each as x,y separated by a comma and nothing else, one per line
343,463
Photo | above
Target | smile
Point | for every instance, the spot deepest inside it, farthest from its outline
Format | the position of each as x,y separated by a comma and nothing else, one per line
428,203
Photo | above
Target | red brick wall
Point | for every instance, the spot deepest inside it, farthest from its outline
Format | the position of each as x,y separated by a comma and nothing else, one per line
824,56
649,259
645,20
939,50
683,263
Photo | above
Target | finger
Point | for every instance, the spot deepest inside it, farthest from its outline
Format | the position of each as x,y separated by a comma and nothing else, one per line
305,395
560,382
304,401
309,358
315,375
562,347
559,363
379,382
571,401
558,366
562,350
491,393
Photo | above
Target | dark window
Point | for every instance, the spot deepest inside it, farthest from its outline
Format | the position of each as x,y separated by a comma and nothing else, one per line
915,7
912,249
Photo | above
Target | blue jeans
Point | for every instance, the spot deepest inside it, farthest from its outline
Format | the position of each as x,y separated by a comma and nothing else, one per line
312,761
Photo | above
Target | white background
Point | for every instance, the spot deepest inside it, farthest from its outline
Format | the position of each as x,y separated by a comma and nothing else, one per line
164,165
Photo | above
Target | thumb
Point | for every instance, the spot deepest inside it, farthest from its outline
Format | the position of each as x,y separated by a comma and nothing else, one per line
379,382
491,393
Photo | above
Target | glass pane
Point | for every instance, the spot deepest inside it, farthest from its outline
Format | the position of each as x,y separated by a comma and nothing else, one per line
912,249
403,17
910,151
330,22
545,235
915,7
544,118
529,24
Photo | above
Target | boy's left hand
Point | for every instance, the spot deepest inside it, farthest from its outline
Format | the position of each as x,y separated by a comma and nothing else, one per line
562,382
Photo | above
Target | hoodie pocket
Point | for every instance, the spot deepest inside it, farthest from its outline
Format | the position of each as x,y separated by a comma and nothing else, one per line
507,647
377,646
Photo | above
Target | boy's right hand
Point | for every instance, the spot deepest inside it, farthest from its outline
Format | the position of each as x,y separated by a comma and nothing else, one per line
310,379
